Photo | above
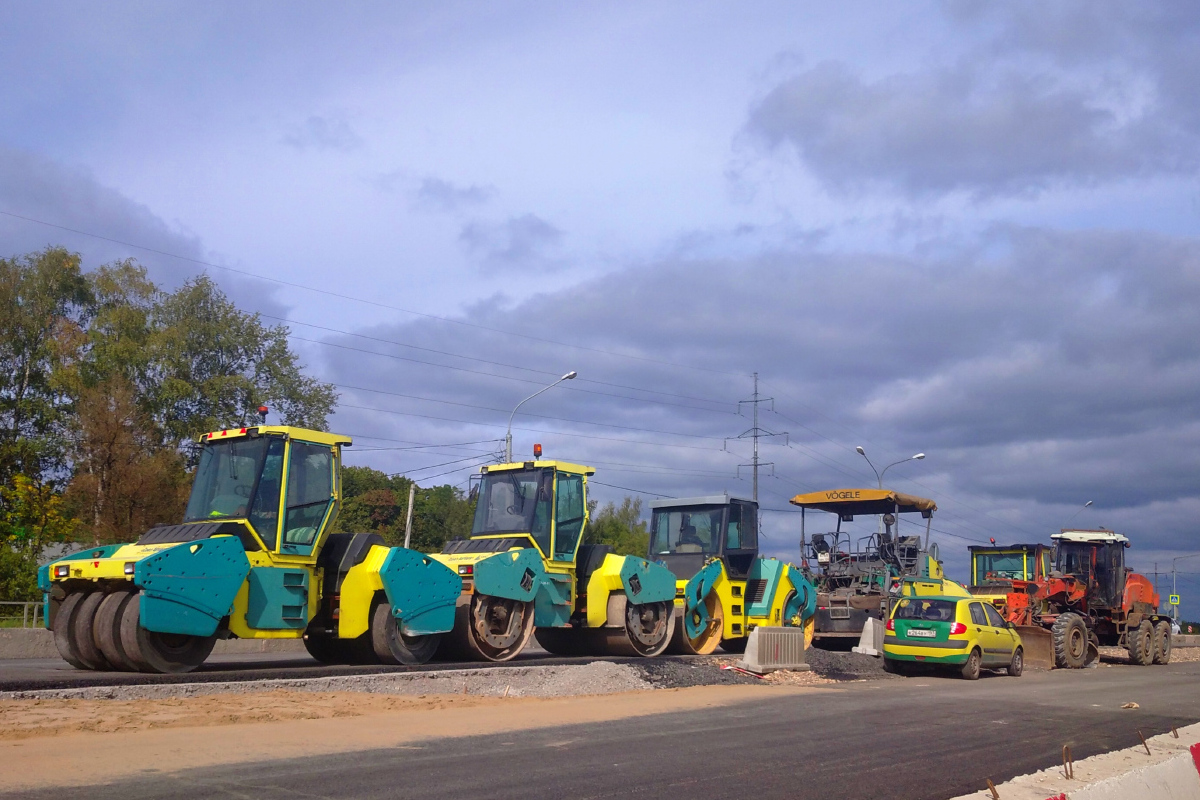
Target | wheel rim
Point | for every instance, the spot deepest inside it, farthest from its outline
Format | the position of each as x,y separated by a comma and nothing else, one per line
647,626
1076,643
497,621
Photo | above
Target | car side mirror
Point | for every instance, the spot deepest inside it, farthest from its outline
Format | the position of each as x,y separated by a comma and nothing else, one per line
1012,625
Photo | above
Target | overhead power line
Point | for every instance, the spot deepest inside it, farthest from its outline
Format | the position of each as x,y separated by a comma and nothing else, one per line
376,303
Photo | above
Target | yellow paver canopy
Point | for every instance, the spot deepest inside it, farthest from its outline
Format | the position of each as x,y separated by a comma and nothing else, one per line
864,501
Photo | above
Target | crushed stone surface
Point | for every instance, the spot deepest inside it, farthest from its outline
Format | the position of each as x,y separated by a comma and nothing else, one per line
839,665
597,677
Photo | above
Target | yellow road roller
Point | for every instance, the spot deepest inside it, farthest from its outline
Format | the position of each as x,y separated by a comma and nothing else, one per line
724,587
526,573
252,559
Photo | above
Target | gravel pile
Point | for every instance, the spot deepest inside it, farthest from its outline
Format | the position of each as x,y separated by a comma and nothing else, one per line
840,665
672,674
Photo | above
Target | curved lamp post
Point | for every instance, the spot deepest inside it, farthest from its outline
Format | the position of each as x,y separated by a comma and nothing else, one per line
508,436
879,475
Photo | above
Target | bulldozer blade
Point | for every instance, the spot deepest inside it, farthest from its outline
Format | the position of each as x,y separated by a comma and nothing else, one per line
1039,647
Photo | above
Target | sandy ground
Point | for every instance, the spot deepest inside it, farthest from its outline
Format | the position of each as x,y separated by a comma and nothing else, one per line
179,733
1119,656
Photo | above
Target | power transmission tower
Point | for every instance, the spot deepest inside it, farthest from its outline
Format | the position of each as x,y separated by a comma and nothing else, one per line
755,433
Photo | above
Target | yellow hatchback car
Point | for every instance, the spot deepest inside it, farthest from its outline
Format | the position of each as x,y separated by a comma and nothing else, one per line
961,631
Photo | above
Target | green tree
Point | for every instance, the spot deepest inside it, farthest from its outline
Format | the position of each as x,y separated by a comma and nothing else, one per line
620,526
31,519
44,301
375,502
216,364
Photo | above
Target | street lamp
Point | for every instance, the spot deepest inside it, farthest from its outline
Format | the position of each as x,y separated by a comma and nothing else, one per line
1175,609
879,474
1076,514
508,436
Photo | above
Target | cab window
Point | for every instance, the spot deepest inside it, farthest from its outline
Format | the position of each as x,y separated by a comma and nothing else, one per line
309,492
741,533
264,511
994,618
568,516
977,614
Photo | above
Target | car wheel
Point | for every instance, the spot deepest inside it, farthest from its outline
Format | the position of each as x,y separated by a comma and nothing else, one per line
1017,665
970,670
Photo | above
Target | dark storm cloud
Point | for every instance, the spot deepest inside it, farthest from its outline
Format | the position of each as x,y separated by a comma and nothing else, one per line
324,133
518,241
1069,95
37,188
436,194
1066,366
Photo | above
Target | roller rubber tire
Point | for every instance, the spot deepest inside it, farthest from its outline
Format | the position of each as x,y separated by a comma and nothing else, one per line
63,637
108,631
1140,643
83,633
1069,636
393,647
160,652
971,669
1162,643
1017,666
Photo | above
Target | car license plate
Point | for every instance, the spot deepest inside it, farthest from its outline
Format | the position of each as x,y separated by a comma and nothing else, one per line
921,633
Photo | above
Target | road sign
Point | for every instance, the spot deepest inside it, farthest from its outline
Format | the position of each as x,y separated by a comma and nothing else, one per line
1173,600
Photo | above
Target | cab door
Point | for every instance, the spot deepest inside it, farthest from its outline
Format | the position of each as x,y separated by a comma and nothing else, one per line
1005,637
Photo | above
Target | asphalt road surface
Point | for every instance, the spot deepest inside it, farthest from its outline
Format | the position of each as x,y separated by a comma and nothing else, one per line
927,737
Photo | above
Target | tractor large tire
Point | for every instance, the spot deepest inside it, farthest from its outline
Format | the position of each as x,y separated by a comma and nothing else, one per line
83,630
108,631
1140,643
393,647
64,635
1070,637
1162,643
151,651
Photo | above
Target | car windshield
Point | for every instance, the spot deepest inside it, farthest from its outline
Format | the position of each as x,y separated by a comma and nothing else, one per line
687,530
923,608
993,566
515,502
226,478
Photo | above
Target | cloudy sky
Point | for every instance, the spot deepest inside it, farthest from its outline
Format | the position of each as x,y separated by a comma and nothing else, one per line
948,228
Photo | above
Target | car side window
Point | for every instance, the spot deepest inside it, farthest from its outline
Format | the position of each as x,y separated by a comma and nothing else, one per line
994,618
977,615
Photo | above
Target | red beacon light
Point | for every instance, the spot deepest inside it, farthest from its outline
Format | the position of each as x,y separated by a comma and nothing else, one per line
537,451
262,411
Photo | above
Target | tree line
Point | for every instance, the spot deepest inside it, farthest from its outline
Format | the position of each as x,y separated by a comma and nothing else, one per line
107,380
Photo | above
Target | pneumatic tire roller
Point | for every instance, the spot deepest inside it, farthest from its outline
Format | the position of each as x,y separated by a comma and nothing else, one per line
253,559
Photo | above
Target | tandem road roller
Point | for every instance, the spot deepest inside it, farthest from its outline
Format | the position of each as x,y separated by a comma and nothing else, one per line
724,588
253,559
525,572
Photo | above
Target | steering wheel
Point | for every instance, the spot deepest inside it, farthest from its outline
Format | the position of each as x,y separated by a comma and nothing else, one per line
242,490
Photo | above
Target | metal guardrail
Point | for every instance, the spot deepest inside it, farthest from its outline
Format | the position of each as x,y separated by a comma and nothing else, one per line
29,614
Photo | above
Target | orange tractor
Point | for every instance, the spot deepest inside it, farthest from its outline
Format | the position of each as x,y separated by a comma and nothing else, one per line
1089,599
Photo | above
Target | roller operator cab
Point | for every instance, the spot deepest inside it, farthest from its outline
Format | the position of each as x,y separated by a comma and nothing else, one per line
857,576
724,588
253,558
526,570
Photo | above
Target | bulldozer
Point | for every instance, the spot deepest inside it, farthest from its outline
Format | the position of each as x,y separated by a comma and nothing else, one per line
526,573
1089,599
253,558
855,580
723,587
